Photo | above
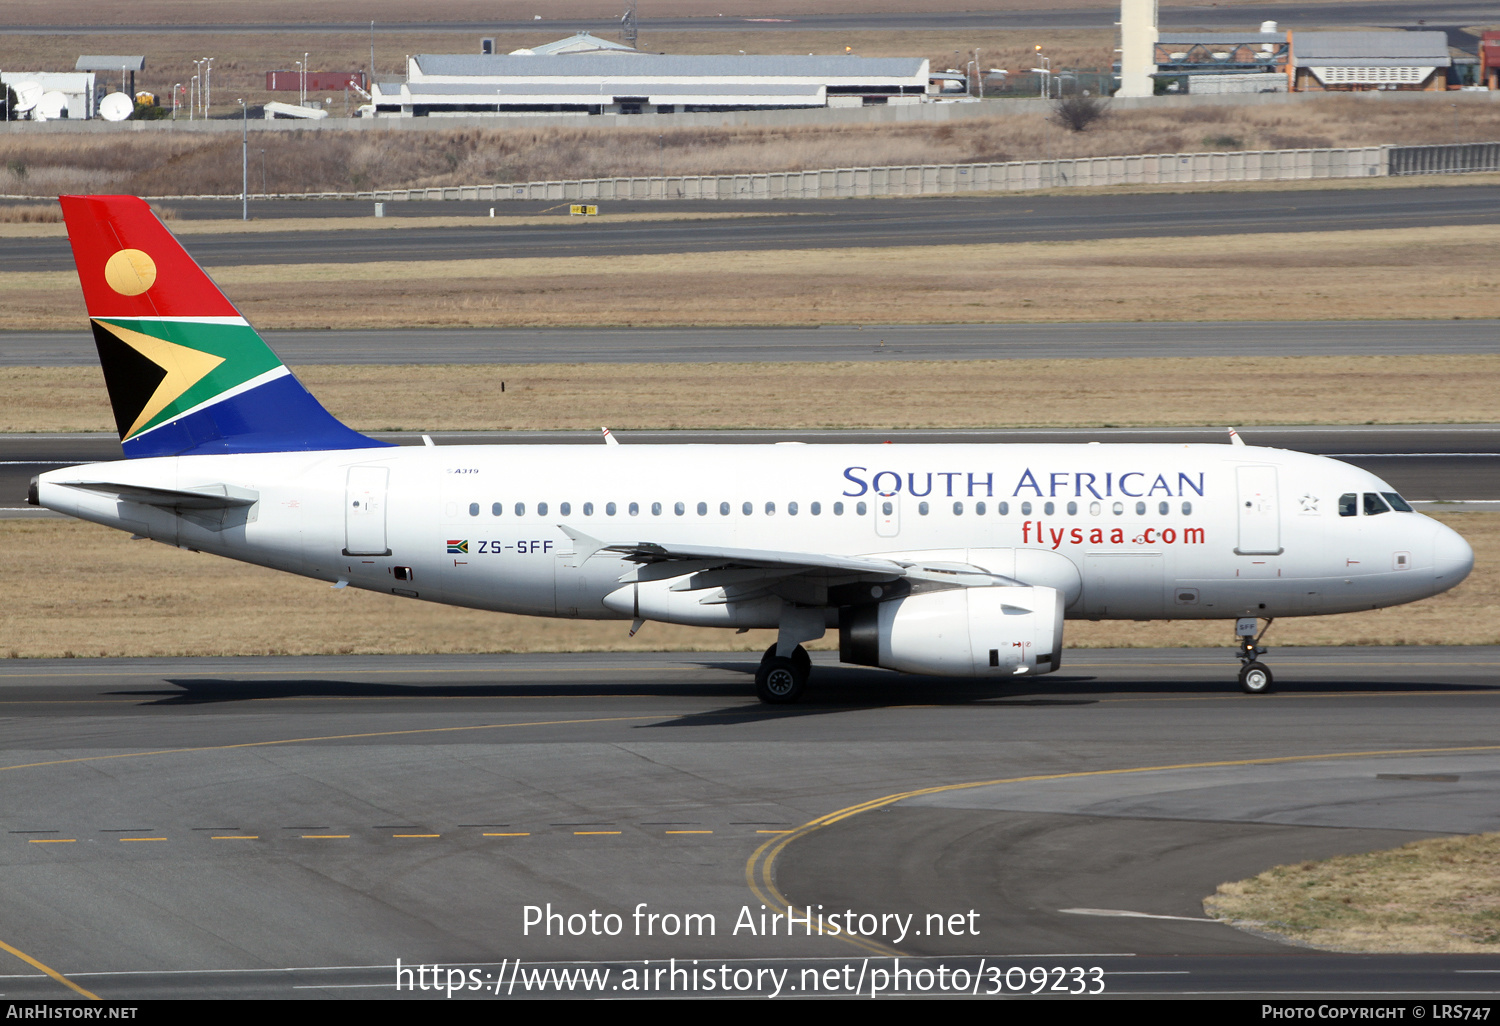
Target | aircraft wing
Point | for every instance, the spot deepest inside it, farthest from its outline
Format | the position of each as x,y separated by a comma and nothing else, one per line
713,566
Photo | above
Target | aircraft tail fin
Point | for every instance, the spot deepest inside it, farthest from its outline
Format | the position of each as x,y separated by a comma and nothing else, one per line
187,375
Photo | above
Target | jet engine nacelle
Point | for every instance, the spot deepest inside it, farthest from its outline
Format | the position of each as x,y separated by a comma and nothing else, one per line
962,632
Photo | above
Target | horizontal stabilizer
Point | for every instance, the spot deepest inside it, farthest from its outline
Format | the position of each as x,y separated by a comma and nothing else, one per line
216,496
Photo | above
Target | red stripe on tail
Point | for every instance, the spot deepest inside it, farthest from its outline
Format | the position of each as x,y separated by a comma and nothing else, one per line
130,265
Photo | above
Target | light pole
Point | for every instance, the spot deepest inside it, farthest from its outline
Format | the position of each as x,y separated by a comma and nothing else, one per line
244,161
1045,71
176,88
194,97
304,79
264,194
208,87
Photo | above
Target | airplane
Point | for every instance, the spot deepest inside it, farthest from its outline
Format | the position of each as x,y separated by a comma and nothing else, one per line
954,560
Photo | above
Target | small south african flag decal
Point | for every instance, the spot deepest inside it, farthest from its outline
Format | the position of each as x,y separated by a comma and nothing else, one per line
458,546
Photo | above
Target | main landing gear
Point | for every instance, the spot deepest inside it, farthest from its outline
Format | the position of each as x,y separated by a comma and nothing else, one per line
780,680
1255,676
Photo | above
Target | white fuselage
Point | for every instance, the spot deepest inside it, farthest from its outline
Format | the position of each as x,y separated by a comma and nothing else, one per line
1122,531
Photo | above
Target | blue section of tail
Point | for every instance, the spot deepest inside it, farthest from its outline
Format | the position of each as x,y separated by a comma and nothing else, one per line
278,416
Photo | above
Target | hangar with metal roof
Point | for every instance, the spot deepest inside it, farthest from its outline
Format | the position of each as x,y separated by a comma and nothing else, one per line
450,85
1366,60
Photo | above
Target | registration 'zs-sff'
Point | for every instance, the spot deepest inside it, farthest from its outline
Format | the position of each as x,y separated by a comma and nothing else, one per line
958,560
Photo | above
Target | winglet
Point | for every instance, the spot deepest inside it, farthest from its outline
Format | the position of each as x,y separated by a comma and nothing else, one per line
1234,437
609,439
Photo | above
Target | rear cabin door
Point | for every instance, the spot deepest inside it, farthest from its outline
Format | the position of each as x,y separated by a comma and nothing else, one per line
364,512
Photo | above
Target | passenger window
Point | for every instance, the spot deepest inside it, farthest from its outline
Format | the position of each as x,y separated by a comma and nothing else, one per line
635,509
541,509
656,509
1163,508
1349,504
566,508
703,509
770,509
520,509
588,509
1072,509
609,509
1187,509
921,508
723,509
1003,509
791,509
747,508
1397,503
1049,508
1375,505
861,509
816,508
679,509
473,509
1140,509
1095,509
886,508
838,509
979,509
1119,509
497,508
958,509
1025,509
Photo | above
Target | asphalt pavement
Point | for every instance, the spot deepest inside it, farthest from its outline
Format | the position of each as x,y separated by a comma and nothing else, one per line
799,225
293,826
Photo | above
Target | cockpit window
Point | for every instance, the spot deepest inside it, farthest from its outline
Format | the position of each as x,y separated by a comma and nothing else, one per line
1349,504
1398,504
1374,505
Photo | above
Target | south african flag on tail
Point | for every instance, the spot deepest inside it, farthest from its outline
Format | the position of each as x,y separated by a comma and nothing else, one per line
187,375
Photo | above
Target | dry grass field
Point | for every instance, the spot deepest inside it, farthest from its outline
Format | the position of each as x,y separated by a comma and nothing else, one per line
1374,274
177,163
870,395
1439,895
86,591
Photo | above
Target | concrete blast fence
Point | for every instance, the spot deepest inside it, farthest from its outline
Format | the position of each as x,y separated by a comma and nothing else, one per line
940,179
947,179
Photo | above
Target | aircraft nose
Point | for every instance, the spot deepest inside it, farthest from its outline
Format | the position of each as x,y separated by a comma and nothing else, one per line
1453,557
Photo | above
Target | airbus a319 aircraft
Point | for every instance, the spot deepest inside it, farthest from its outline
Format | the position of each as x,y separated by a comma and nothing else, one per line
956,560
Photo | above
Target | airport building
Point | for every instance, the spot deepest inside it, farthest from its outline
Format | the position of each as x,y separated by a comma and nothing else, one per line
612,82
1358,61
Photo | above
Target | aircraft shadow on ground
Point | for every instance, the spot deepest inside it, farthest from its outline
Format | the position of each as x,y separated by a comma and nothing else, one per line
834,689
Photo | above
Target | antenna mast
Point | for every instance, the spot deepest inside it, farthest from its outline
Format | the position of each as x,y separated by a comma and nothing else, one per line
627,25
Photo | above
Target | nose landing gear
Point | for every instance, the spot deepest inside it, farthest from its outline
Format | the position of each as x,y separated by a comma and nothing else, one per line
1255,676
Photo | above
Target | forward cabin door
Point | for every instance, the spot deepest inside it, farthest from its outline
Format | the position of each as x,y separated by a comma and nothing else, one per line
1259,512
364,512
